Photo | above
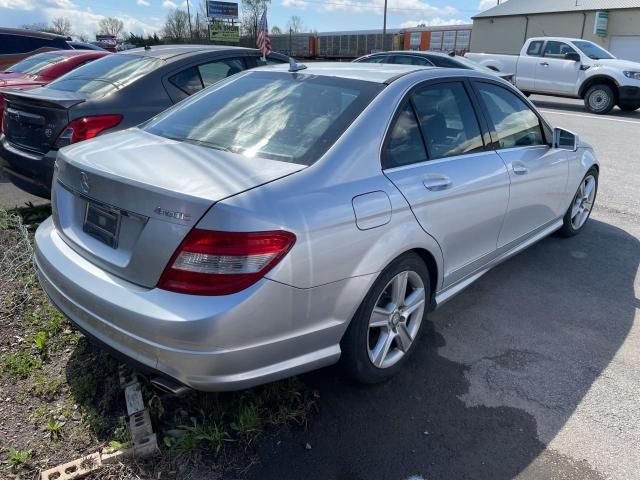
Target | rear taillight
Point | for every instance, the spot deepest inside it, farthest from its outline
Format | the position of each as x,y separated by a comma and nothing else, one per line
222,263
1,114
85,128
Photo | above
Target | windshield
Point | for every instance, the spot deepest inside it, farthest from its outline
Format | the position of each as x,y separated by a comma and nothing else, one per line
36,64
473,65
592,50
280,116
106,74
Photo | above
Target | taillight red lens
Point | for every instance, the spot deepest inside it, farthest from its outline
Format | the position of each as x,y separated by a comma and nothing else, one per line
85,128
222,263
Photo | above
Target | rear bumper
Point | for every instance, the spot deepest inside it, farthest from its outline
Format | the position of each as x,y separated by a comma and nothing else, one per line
267,332
629,96
30,172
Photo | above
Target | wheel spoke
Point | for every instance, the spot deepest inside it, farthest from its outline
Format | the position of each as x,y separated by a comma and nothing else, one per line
379,318
589,189
382,349
414,301
399,288
575,211
404,337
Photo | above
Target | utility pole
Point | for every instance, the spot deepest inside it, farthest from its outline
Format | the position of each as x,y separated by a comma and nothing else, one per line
384,25
189,15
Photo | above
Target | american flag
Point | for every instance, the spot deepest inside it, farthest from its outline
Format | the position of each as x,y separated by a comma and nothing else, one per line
264,43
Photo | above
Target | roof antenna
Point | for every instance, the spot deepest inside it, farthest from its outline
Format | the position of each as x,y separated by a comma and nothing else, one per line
295,66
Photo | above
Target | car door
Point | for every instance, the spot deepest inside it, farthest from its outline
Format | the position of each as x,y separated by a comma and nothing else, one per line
527,65
194,77
538,172
554,73
436,154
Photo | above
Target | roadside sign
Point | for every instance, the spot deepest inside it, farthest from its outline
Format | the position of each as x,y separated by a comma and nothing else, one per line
228,10
108,40
601,25
224,32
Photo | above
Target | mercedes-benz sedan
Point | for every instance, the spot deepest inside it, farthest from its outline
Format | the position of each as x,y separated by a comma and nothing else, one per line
287,218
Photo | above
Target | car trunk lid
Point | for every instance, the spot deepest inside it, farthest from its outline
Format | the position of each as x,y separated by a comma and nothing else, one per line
34,119
126,201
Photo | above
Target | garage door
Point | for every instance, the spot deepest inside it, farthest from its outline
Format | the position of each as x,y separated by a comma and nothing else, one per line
627,48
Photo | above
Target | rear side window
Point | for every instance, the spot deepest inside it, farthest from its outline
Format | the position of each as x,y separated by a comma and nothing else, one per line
404,145
11,44
213,72
35,64
410,60
448,120
515,123
274,115
535,49
188,80
107,74
376,59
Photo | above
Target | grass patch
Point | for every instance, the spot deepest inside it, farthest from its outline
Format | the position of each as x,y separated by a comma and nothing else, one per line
18,459
19,364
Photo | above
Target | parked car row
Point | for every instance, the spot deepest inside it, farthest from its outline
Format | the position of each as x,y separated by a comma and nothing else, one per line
571,67
287,217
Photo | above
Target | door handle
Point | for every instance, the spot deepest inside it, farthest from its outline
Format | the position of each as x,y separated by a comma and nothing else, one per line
544,64
519,169
437,183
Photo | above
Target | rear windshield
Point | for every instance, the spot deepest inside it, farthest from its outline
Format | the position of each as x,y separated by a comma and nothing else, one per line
280,116
106,74
36,64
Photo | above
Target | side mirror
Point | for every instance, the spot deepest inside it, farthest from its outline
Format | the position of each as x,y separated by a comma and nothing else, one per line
565,140
573,56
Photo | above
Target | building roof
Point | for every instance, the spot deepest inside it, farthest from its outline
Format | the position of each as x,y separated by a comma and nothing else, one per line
528,7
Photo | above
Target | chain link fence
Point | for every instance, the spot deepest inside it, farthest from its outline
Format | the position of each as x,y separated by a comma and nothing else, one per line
16,268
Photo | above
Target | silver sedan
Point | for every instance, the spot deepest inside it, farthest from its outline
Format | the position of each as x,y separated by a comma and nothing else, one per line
291,217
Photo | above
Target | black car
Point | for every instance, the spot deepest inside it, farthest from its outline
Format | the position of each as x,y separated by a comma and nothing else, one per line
116,92
429,59
17,44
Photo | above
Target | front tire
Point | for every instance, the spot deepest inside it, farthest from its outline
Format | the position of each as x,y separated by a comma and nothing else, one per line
581,206
600,99
387,325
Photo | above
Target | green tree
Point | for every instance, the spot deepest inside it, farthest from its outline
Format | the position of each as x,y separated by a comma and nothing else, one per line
275,30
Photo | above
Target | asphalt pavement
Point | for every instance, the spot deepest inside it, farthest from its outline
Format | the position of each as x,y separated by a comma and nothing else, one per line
531,373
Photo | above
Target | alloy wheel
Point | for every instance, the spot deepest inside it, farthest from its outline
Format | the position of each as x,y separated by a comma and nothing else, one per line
583,202
396,318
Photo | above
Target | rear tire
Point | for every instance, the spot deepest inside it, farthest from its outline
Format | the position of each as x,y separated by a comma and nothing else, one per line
600,99
581,206
629,108
377,343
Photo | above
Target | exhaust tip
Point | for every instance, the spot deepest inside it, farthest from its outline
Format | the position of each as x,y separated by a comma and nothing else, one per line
172,387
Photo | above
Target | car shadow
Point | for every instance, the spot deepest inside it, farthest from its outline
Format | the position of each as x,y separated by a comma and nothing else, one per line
572,105
498,373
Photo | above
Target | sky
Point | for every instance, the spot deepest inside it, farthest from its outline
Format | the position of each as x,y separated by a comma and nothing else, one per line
147,16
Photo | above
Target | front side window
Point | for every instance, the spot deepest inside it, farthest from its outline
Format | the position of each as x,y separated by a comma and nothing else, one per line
448,120
274,115
535,49
557,50
516,125
404,145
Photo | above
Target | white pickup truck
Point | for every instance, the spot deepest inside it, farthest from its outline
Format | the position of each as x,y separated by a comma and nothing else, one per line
570,67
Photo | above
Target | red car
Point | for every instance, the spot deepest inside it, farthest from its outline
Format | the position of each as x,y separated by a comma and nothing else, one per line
43,68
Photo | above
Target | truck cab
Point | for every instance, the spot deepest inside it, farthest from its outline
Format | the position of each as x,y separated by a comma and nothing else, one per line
574,68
